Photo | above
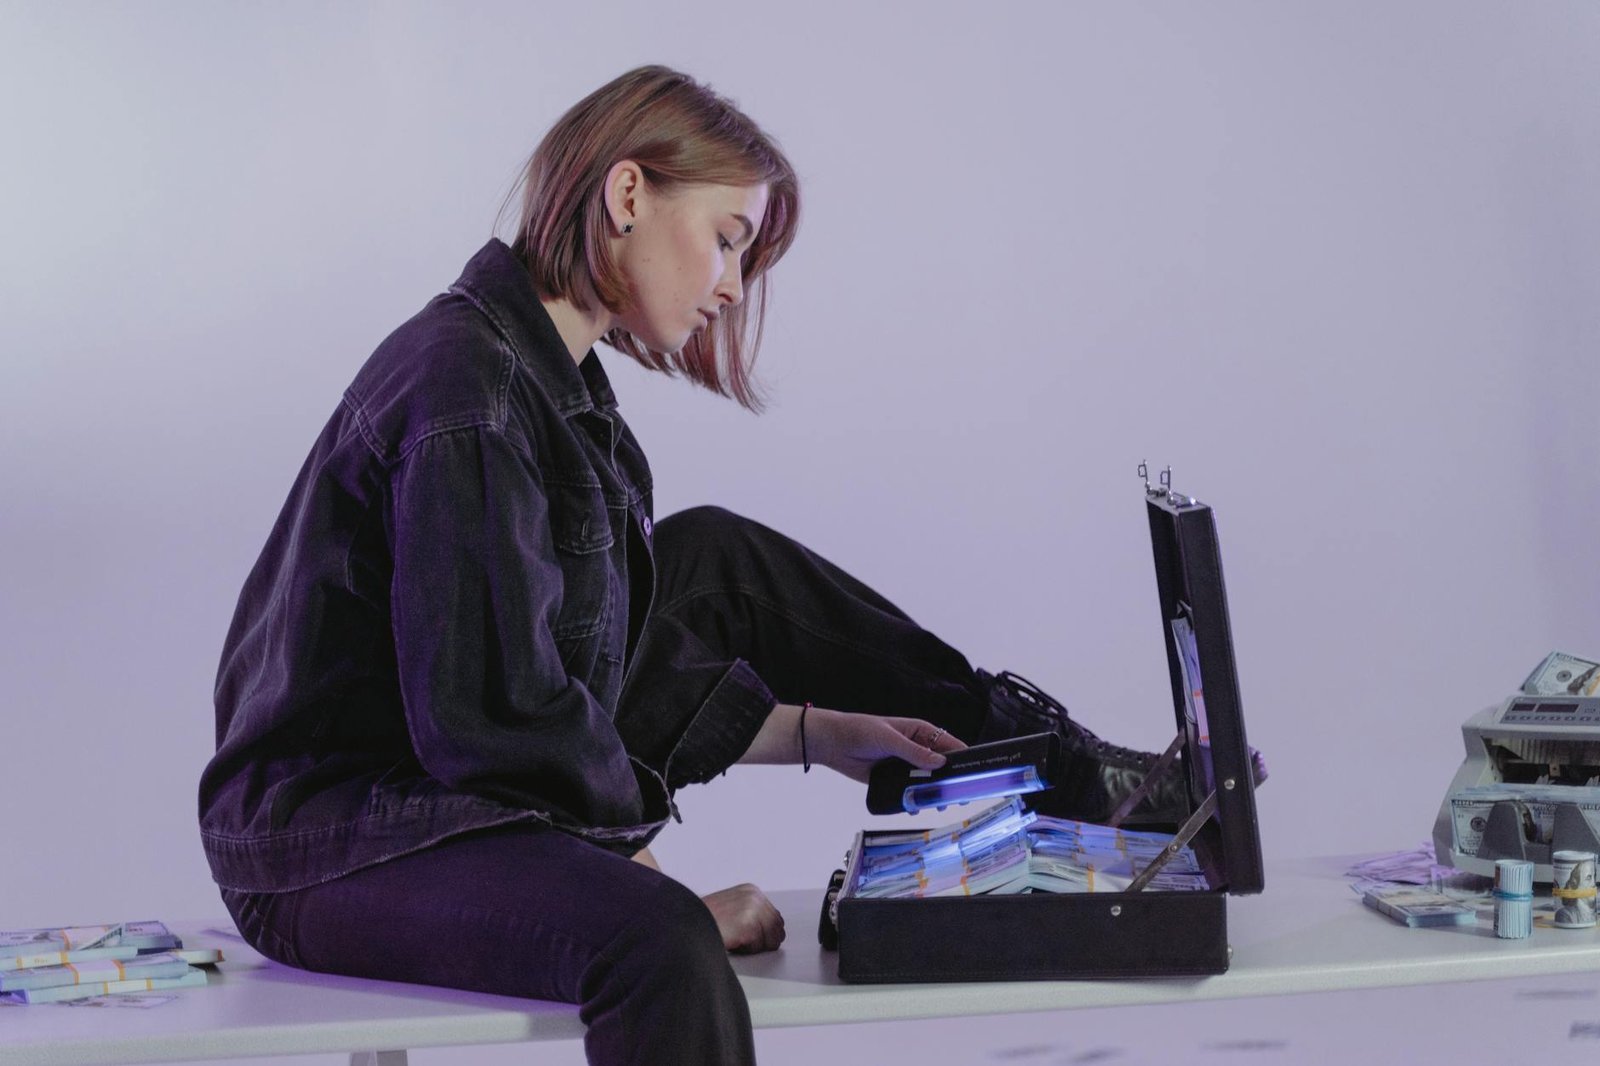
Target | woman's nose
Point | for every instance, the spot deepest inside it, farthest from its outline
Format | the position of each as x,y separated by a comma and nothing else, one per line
732,286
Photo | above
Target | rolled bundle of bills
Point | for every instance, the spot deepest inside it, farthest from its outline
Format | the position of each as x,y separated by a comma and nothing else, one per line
1573,888
1513,899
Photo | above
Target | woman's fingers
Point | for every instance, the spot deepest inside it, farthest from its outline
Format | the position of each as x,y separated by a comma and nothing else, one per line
772,932
765,925
927,742
946,742
853,743
746,918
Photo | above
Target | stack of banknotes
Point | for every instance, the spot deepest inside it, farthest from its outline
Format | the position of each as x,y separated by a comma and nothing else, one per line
1006,849
1419,908
83,962
1470,809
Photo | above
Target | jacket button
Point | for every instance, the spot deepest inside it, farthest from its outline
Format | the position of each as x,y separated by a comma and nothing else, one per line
647,525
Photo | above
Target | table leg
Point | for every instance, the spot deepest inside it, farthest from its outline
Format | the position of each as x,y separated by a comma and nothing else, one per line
378,1058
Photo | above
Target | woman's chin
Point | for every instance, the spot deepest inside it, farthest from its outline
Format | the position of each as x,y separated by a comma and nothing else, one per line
670,343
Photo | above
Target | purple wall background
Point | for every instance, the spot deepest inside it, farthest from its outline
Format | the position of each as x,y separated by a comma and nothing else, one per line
1338,263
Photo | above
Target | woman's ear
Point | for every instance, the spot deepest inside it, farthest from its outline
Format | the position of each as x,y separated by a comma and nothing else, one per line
624,193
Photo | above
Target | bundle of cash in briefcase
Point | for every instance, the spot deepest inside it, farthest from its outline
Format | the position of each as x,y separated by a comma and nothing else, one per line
1530,785
1009,895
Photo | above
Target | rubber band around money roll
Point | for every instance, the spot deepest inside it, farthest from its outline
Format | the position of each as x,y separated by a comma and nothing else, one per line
1573,887
1513,899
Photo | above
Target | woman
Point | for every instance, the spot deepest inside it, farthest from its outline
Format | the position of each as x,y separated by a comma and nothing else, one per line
467,674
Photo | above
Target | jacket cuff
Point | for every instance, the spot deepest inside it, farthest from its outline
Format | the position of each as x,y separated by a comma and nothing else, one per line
722,729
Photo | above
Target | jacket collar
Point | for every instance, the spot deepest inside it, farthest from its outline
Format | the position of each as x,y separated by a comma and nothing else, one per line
498,284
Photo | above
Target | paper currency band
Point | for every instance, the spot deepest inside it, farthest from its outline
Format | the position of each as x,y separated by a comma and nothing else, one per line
1513,896
1573,893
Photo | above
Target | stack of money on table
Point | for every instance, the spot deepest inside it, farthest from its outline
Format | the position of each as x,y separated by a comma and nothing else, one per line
1419,908
85,962
1006,849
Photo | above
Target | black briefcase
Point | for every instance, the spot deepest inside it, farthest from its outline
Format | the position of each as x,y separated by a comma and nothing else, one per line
1141,932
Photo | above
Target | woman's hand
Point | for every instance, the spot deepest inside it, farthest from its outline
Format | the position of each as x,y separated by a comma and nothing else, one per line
851,743
848,743
748,921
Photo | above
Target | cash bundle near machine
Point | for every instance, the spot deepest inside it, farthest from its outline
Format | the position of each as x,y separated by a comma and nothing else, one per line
1142,928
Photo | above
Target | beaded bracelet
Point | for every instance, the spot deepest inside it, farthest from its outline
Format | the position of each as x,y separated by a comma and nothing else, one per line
805,760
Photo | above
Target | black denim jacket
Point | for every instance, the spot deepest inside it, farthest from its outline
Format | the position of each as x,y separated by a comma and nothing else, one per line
434,637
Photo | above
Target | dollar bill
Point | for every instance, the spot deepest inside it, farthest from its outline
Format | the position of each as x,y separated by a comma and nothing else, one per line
985,822
150,935
1470,809
200,956
1194,697
1002,869
1573,888
1089,843
1051,875
1513,899
67,938
1419,907
157,964
61,958
106,988
948,855
193,956
1418,866
134,1000
1563,675
1006,849
985,870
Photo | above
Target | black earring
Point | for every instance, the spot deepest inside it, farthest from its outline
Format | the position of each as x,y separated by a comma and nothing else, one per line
627,229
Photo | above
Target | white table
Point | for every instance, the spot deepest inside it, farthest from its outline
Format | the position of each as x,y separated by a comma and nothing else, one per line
1308,933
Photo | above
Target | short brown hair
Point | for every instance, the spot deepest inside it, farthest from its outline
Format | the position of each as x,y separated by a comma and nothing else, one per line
680,133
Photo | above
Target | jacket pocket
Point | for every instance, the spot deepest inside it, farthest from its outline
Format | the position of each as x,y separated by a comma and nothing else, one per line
580,526
579,521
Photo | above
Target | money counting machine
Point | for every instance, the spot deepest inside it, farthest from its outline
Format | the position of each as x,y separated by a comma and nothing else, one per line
1530,785
1144,931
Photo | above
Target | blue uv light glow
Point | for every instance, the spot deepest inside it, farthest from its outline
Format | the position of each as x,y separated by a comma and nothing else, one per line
989,784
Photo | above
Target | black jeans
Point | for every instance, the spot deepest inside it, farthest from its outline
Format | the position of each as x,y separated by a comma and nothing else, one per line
529,911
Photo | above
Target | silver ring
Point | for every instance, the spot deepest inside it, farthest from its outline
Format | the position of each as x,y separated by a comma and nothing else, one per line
937,733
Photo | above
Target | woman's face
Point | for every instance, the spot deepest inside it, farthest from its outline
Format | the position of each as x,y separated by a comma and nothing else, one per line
682,260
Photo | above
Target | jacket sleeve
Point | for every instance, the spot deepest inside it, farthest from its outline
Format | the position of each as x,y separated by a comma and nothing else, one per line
703,709
488,703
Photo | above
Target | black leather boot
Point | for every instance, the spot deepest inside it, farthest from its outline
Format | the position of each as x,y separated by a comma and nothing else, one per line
1097,775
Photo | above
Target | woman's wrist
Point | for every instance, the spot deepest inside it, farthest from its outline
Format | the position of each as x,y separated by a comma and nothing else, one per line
779,740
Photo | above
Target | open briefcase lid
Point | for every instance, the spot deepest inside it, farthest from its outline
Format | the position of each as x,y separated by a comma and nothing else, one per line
1215,757
1209,749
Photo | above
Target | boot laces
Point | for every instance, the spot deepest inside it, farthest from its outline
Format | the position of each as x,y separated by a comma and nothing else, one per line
1092,745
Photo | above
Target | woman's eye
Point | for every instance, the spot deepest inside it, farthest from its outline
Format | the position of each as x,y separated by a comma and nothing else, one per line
724,243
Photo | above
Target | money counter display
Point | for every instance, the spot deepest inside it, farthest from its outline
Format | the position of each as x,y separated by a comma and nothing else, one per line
1003,894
